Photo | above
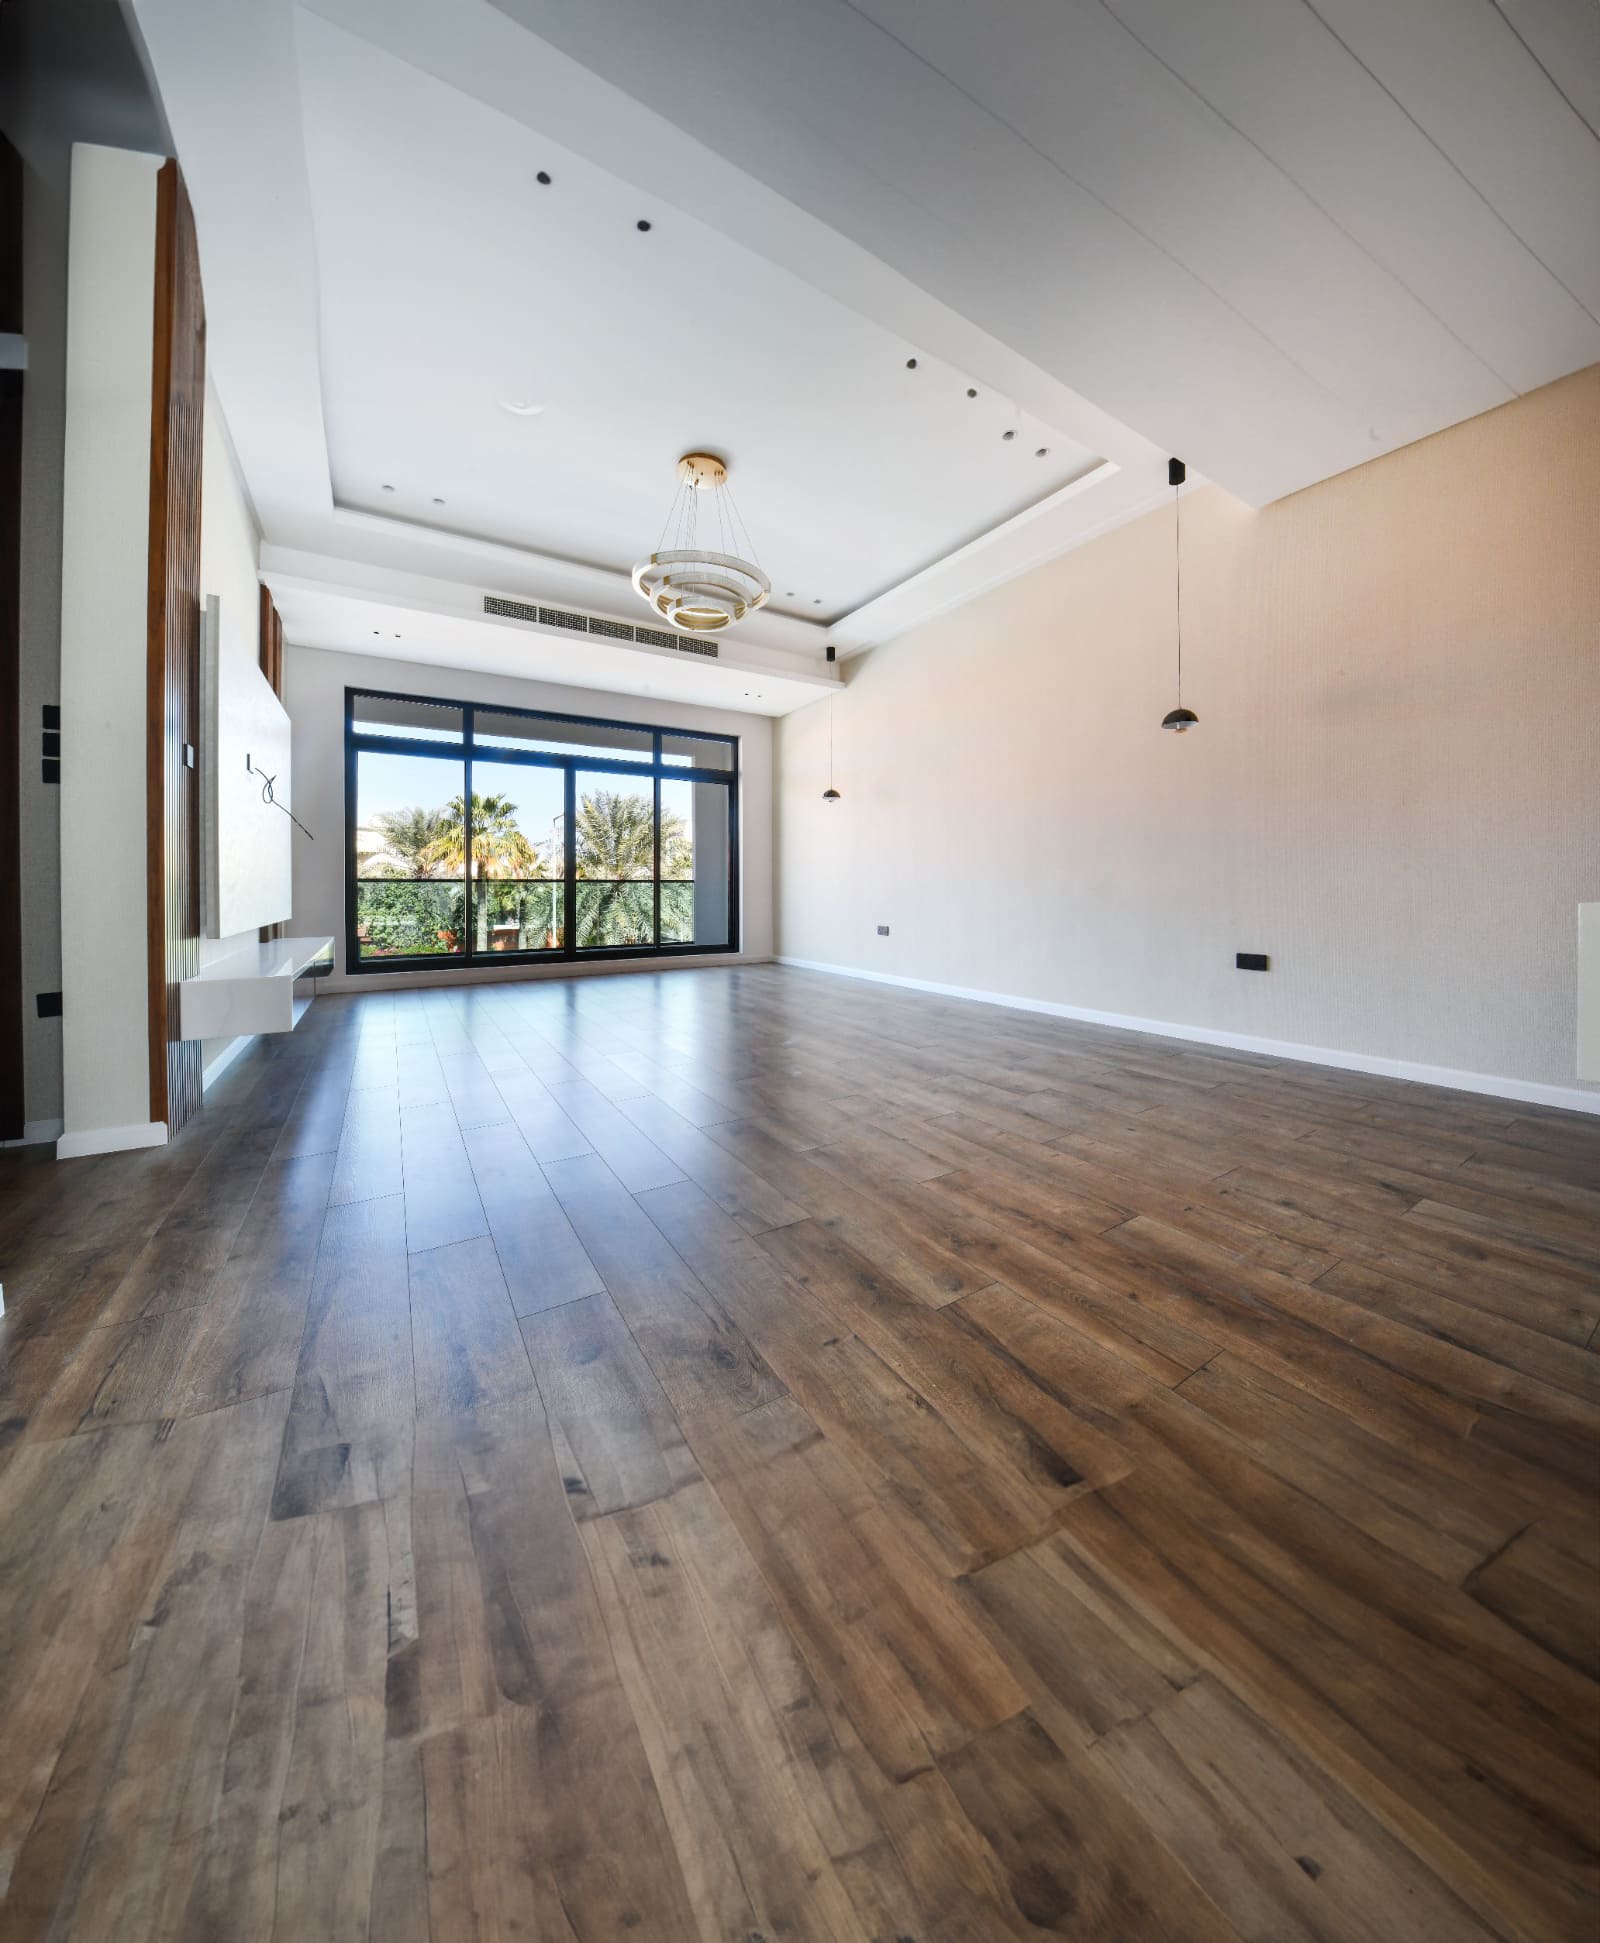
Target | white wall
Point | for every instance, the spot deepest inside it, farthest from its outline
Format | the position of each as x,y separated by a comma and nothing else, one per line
314,695
230,555
104,618
1394,788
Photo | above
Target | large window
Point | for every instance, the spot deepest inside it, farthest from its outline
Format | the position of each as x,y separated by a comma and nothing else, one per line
479,833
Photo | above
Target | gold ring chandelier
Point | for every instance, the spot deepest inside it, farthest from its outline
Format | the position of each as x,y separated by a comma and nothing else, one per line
700,589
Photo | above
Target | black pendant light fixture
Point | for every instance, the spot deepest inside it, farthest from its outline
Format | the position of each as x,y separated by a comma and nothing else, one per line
1179,719
830,794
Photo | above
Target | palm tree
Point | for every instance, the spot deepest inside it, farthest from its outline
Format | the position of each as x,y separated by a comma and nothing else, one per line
499,848
406,834
614,841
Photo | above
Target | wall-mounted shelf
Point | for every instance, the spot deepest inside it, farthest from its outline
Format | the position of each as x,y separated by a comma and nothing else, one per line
252,989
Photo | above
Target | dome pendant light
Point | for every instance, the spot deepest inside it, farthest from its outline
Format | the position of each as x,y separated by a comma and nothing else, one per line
702,589
830,794
1180,719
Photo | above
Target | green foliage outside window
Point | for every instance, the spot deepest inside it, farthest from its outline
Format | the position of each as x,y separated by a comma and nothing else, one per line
517,893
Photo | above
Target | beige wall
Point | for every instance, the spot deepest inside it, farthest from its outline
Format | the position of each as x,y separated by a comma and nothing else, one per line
1394,789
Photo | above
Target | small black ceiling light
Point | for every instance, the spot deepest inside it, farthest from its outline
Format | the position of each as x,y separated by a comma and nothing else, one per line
1180,719
543,178
830,794
642,225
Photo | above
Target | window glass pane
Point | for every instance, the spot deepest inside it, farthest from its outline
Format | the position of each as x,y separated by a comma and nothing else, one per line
400,716
518,850
410,886
550,735
694,862
696,751
614,851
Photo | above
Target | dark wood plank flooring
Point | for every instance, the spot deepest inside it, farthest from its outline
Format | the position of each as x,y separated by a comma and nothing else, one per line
745,1455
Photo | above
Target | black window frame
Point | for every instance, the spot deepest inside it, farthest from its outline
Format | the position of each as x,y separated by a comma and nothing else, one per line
464,752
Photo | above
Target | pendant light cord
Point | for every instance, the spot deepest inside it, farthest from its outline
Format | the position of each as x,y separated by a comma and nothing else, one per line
1177,565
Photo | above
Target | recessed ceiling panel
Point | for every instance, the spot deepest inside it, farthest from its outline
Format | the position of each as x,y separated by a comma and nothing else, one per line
521,361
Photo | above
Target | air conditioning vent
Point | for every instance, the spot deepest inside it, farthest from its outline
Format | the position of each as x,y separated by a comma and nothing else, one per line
559,617
513,610
650,637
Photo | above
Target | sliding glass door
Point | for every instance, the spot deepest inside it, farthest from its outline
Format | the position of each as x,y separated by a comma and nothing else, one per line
479,834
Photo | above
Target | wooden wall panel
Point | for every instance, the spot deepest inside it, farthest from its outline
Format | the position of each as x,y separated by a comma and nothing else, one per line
271,657
12,1112
271,642
173,717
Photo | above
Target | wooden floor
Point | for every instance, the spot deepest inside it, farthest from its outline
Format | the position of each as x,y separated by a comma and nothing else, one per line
747,1455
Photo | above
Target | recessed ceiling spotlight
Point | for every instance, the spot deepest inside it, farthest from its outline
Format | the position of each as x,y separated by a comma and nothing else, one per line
642,225
521,407
911,364
972,391
1008,435
1042,452
818,601
440,502
388,489
543,178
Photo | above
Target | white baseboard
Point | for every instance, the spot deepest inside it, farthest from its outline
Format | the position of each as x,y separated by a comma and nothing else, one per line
224,1059
111,1140
36,1133
1574,1099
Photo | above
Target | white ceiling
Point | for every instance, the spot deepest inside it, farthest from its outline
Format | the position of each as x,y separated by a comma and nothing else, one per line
1277,238
450,280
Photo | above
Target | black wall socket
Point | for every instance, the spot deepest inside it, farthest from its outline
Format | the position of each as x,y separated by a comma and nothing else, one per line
1250,960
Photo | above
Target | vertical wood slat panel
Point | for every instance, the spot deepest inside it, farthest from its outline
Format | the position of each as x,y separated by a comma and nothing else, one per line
12,1112
270,654
173,696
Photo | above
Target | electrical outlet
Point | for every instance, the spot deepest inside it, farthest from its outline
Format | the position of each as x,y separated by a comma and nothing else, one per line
1250,960
883,931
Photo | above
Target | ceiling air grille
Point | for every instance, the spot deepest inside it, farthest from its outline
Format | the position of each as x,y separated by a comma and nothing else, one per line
650,637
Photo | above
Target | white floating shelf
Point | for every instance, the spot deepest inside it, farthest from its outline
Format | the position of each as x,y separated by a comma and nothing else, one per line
252,989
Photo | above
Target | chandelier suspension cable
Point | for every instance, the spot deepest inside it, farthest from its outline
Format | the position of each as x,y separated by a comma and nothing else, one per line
674,513
741,531
724,537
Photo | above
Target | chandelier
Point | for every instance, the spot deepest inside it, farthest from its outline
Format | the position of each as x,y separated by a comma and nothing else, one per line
696,587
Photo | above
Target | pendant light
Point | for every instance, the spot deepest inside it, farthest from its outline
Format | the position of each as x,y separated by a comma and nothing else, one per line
1179,719
695,588
830,794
